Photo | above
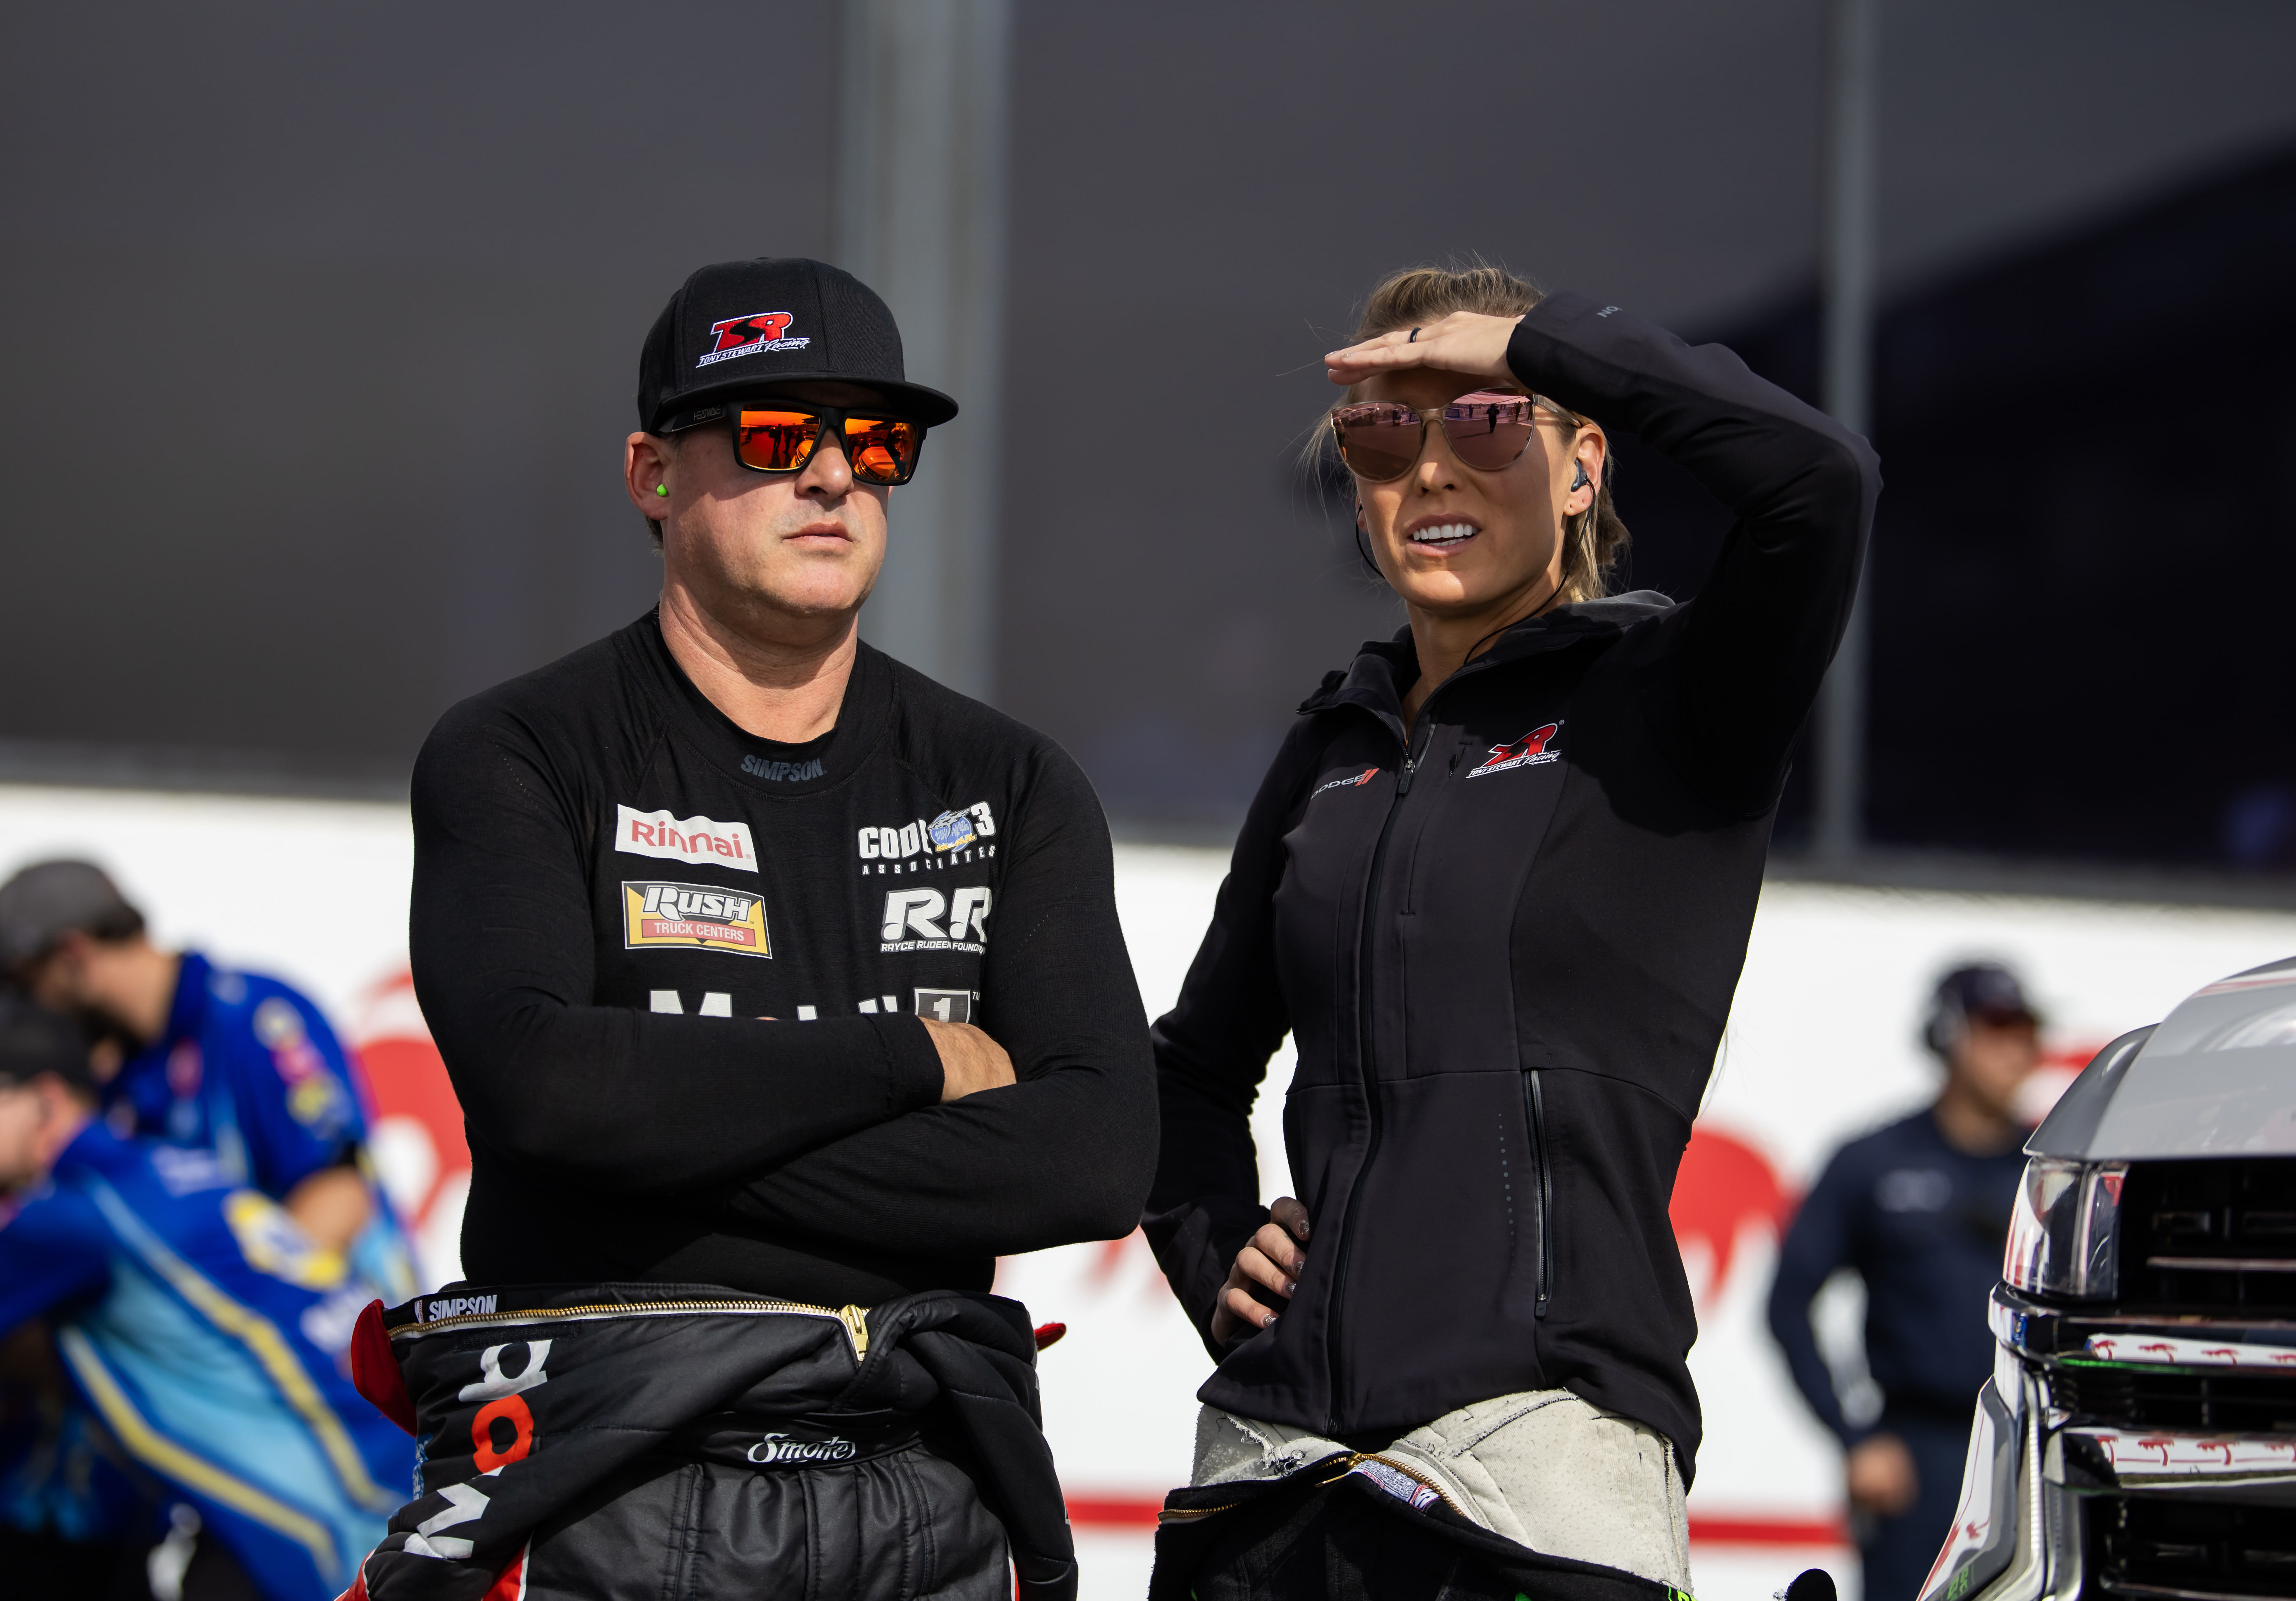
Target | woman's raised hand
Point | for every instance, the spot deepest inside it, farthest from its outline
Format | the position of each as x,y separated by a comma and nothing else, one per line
1276,1257
1466,341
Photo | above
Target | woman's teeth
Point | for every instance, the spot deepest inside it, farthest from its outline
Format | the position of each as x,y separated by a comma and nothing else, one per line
1445,533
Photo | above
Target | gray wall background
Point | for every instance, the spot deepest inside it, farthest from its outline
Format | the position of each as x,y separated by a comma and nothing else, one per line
320,327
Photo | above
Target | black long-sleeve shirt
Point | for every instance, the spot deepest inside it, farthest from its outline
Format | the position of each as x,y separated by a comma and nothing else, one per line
1505,938
614,885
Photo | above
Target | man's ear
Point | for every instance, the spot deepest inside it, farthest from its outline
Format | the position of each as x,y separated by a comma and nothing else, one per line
646,463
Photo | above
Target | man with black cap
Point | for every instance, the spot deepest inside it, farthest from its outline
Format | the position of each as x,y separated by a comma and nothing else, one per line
1919,1210
783,991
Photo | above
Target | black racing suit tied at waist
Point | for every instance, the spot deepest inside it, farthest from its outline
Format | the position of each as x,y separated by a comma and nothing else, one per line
529,1399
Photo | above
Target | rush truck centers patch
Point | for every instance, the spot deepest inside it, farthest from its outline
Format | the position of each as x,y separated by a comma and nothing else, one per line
704,917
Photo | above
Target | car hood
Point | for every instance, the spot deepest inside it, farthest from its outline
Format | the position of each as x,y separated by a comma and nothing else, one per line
2217,1077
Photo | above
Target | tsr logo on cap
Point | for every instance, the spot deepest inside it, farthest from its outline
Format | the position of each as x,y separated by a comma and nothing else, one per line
748,335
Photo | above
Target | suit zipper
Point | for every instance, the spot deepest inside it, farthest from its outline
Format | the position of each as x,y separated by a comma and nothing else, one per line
852,1319
1534,1106
1363,1025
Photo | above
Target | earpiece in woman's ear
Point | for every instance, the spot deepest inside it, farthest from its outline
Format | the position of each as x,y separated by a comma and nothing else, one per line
1580,482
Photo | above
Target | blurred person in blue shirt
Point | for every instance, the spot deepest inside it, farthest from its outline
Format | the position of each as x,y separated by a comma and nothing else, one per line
193,1317
237,1064
1919,1210
232,1063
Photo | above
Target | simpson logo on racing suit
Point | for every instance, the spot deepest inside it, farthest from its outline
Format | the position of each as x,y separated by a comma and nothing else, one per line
781,1448
656,913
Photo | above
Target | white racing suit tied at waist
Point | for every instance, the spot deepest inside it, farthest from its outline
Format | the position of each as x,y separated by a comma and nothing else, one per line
1542,1468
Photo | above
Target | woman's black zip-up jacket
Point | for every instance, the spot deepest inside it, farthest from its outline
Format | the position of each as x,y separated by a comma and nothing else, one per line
1505,940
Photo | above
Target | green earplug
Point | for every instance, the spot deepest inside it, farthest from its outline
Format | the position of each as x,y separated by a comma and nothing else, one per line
662,490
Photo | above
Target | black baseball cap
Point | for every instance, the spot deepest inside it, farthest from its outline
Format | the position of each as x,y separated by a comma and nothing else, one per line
34,1040
1985,989
777,325
47,900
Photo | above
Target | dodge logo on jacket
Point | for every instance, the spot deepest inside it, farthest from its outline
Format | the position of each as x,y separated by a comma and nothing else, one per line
1506,954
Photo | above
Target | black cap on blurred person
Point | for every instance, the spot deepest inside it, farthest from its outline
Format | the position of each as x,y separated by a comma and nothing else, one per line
1984,990
34,1040
779,325
47,900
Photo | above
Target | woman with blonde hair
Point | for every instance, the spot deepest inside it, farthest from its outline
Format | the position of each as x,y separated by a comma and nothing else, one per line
1498,886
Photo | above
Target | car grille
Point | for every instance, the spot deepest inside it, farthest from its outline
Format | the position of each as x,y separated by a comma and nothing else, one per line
2132,1398
2209,1237
2162,1546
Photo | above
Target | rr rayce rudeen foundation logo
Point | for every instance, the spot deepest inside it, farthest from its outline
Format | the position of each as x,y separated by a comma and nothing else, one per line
697,916
748,335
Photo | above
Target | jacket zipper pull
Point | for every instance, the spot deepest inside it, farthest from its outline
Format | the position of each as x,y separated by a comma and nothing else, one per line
1403,785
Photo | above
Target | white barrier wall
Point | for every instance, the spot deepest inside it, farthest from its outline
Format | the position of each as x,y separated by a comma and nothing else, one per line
1821,1047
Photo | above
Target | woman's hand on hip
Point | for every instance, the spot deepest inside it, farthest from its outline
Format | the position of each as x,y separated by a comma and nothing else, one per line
1466,341
1275,1258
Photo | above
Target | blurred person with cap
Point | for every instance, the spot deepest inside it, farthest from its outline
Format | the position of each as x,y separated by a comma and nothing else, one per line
234,1063
783,991
1919,1210
206,1331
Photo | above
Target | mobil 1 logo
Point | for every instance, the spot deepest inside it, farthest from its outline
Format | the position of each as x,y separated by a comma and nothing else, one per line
948,1006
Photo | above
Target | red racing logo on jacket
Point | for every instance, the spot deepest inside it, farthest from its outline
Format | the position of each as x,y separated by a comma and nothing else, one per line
748,335
1528,752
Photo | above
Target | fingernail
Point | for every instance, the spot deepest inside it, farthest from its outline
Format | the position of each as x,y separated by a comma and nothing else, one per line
1291,1286
1272,1316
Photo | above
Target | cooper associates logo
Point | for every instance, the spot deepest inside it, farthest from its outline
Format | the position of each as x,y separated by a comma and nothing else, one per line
1528,752
748,335
959,834
704,916
685,839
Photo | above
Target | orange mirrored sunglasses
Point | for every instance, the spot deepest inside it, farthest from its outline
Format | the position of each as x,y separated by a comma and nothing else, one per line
781,436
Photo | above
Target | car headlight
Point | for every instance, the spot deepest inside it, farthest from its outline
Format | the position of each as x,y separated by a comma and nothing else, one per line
2064,1235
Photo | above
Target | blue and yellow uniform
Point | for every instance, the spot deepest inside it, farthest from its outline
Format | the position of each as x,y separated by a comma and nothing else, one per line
208,1334
249,1070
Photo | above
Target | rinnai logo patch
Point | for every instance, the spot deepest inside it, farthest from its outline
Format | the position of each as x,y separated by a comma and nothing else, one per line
1528,752
748,335
697,916
697,840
